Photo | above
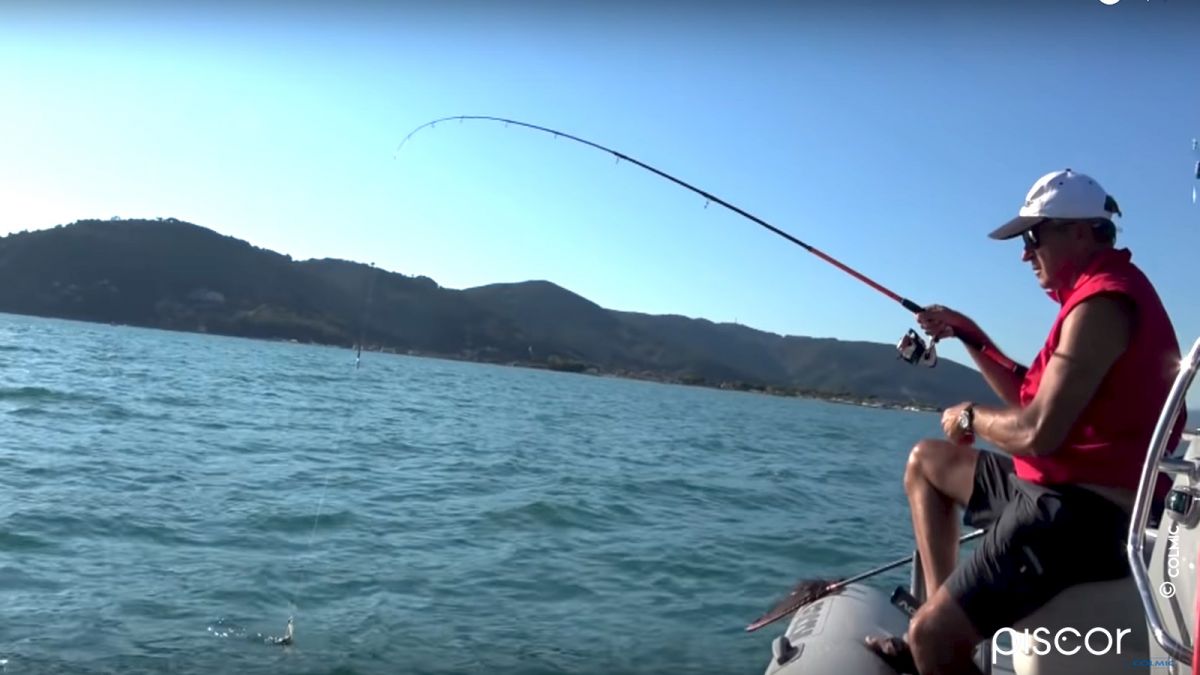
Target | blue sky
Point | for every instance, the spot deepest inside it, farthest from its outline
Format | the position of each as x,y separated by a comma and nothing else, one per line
893,137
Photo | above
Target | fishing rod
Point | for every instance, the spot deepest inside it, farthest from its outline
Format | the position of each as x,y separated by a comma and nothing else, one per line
912,348
808,591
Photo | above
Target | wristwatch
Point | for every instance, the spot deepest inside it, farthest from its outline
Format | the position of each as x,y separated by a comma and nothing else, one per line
966,420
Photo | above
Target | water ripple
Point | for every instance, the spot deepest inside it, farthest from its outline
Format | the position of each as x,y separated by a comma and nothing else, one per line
161,493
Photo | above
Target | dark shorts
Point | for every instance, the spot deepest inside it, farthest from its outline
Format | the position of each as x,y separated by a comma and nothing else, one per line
1040,540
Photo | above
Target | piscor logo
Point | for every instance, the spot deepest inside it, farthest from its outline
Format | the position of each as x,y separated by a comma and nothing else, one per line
1098,641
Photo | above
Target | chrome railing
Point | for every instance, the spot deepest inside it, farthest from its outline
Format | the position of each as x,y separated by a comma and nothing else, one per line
1135,542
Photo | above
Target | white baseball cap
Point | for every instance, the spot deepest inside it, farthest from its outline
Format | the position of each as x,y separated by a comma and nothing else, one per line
1062,195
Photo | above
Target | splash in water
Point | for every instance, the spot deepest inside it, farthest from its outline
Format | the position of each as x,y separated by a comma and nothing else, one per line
286,639
223,629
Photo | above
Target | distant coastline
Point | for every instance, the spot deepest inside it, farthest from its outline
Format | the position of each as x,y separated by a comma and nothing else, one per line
168,274
650,376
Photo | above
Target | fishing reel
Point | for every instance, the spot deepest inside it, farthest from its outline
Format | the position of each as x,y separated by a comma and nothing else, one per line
914,350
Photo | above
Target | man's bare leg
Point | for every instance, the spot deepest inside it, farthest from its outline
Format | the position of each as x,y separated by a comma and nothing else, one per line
942,638
939,477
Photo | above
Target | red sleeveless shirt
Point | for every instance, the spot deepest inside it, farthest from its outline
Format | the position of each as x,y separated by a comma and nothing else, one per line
1108,443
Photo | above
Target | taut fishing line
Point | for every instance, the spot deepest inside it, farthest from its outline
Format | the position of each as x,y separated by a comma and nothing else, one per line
288,637
912,348
362,334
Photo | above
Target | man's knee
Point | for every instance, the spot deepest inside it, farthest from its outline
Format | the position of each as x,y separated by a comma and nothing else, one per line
923,461
948,468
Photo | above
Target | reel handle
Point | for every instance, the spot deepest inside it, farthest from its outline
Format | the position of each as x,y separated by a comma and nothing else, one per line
912,349
987,350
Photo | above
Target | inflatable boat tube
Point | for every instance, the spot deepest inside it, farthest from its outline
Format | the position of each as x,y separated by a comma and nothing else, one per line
829,635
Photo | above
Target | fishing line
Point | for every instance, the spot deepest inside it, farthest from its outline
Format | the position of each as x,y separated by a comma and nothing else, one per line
912,347
362,334
288,637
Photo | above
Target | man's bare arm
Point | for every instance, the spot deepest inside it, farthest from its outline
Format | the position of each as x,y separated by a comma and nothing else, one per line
942,322
1094,335
1003,381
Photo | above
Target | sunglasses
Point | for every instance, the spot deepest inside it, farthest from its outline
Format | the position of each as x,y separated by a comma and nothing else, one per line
1033,236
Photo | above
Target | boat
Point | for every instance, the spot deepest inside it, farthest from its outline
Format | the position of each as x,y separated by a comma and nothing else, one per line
1142,623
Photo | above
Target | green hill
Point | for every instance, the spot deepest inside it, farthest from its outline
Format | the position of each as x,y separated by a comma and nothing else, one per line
175,275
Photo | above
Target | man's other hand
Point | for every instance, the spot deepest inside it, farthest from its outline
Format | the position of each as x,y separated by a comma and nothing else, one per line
954,433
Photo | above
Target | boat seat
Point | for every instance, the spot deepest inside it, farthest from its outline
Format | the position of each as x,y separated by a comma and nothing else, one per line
1112,606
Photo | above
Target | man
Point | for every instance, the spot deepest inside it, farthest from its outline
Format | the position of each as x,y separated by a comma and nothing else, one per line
1072,435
